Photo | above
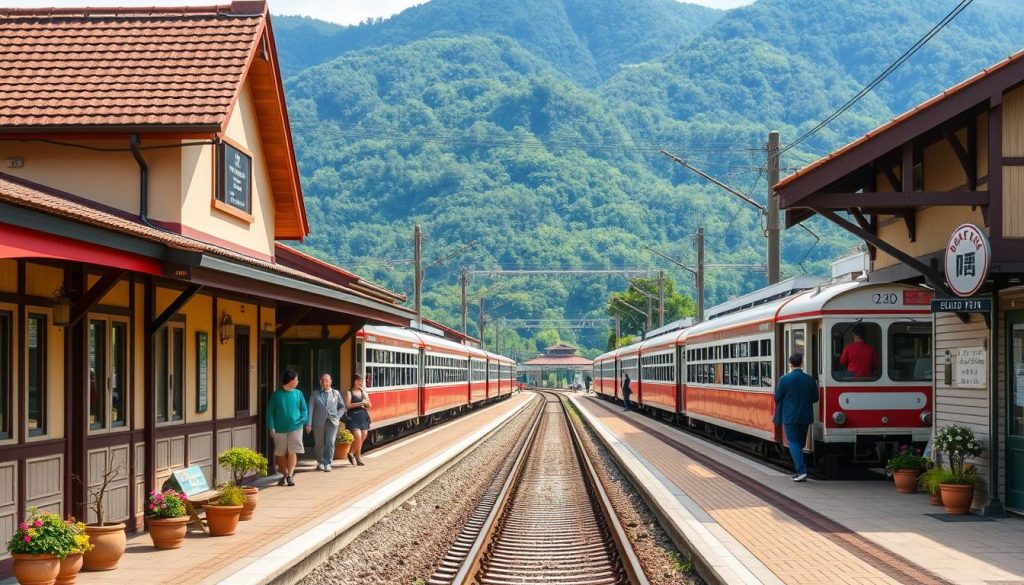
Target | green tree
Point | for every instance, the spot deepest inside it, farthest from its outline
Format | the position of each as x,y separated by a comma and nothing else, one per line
631,306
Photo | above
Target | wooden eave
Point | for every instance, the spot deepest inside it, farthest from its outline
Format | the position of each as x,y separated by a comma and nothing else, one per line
263,74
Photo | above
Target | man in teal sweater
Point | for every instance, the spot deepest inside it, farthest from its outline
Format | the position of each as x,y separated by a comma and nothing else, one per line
286,413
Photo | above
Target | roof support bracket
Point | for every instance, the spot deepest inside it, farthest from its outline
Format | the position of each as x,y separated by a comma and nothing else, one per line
866,225
969,166
95,293
175,306
931,275
897,184
286,321
909,217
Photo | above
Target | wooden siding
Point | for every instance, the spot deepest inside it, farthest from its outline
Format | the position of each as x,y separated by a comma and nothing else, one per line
8,500
200,452
116,502
1013,123
1013,202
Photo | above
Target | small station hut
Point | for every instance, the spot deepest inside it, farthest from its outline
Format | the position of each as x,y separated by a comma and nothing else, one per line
560,359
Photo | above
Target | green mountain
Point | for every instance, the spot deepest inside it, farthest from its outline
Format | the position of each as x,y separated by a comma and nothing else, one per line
533,128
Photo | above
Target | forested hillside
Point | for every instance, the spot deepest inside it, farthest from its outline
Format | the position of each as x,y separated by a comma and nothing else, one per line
533,128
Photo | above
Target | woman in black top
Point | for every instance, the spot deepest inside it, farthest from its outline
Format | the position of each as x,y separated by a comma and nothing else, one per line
357,403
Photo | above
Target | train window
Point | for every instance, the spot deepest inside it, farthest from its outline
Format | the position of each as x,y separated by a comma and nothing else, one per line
910,352
743,349
744,374
752,350
766,347
854,360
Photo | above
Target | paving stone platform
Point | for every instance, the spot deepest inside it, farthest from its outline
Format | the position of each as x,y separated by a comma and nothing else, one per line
750,523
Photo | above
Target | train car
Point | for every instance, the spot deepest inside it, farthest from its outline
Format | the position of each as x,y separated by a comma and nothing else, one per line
388,359
605,380
493,377
507,375
478,364
445,375
627,361
659,373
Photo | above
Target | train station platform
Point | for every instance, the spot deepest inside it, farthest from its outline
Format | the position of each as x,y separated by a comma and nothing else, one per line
303,524
750,523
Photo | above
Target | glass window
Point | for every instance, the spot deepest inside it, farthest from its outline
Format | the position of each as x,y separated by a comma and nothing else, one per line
766,347
854,351
6,372
169,362
242,370
118,374
178,369
910,352
744,374
37,358
97,374
753,349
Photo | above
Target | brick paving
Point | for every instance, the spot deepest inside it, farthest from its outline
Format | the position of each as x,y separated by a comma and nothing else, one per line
285,514
797,551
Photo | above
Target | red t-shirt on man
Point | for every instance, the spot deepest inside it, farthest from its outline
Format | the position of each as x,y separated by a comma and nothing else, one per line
860,359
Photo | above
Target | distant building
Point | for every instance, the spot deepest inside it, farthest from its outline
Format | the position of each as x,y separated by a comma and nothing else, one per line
561,359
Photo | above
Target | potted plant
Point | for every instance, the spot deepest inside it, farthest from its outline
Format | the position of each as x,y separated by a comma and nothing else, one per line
168,518
957,443
905,467
107,538
343,444
222,513
38,545
72,564
241,461
930,480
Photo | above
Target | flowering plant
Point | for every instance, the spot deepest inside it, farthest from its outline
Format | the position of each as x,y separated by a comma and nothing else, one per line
958,443
344,436
82,544
168,504
908,459
43,533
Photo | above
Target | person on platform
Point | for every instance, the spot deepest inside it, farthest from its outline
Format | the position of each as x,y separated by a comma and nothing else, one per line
286,413
627,391
794,410
587,381
859,358
326,406
358,405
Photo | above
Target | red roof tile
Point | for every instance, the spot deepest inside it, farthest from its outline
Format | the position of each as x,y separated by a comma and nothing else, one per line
573,360
116,67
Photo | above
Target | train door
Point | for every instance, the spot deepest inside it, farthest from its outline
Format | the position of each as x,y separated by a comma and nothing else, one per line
796,341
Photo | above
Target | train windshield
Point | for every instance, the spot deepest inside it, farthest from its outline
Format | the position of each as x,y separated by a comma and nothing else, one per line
910,352
855,351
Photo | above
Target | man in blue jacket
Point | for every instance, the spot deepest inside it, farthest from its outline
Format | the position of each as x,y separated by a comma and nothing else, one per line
794,410
627,391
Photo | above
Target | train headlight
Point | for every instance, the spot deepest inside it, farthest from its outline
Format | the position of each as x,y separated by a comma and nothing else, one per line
885,420
926,418
839,418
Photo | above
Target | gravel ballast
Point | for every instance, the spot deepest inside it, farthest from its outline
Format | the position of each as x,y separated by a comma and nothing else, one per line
406,545
663,563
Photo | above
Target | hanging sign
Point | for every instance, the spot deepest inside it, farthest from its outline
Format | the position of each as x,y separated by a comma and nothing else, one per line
971,367
967,259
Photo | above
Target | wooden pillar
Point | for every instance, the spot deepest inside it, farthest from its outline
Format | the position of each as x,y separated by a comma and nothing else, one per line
76,408
149,385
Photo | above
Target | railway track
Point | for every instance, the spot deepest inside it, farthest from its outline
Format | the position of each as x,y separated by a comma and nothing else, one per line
545,518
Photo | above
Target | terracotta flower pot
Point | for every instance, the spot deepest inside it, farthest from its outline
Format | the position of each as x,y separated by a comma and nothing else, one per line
249,506
69,568
935,499
168,532
36,569
957,498
109,542
341,451
906,480
222,520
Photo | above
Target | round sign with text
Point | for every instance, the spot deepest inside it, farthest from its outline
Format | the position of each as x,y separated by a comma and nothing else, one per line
967,258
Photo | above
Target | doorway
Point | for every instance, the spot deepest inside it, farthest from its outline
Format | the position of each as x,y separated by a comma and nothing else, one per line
309,359
1015,410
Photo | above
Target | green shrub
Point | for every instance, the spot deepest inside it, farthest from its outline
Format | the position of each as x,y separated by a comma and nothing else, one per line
230,495
43,533
241,461
907,459
344,436
168,504
957,443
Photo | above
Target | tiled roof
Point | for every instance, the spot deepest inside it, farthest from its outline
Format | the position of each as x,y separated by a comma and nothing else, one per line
572,360
52,202
118,67
905,116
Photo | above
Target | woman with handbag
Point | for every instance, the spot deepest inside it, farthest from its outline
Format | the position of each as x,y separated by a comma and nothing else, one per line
357,405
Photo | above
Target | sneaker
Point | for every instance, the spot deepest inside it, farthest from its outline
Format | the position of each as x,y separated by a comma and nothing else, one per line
800,478
291,481
327,467
282,480
319,466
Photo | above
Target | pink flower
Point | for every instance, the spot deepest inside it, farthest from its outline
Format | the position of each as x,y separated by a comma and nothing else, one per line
28,538
38,523
23,526
152,507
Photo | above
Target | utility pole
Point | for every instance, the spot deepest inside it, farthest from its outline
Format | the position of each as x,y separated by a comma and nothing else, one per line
773,208
618,329
650,311
483,343
661,298
699,277
465,331
418,279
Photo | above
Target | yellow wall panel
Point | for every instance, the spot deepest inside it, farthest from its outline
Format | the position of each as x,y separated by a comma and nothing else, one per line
42,280
9,276
934,224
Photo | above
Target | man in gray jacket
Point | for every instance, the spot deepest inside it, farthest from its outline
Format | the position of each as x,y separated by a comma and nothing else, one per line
325,410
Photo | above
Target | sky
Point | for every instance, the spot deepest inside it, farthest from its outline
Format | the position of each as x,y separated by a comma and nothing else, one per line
338,11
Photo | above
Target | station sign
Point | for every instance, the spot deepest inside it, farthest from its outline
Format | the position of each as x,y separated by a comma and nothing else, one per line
968,256
978,305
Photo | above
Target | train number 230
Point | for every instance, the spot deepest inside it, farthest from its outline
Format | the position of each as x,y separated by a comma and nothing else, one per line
886,298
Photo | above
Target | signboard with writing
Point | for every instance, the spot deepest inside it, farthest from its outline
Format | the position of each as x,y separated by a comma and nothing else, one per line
917,297
971,367
234,177
189,480
202,369
962,305
967,259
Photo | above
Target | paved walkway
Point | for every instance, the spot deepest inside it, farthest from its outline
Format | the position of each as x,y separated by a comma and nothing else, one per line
291,522
771,530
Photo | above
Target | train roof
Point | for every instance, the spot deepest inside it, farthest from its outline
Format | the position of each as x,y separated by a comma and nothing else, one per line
664,340
394,333
498,357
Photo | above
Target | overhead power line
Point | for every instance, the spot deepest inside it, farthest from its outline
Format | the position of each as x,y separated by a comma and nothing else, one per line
881,76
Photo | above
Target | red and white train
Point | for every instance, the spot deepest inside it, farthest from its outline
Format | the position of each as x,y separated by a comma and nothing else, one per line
720,375
414,377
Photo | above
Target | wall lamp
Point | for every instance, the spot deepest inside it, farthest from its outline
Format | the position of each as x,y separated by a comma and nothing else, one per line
227,328
61,307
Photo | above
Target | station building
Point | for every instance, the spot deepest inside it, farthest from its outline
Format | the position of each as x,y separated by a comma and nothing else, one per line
147,302
560,359
905,188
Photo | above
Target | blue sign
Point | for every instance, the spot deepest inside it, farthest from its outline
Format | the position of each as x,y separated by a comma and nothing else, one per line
976,305
191,480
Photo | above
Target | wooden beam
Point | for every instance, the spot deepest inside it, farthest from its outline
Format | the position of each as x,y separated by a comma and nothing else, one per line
993,209
933,277
865,225
173,308
969,166
909,217
288,320
95,293
896,200
907,167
